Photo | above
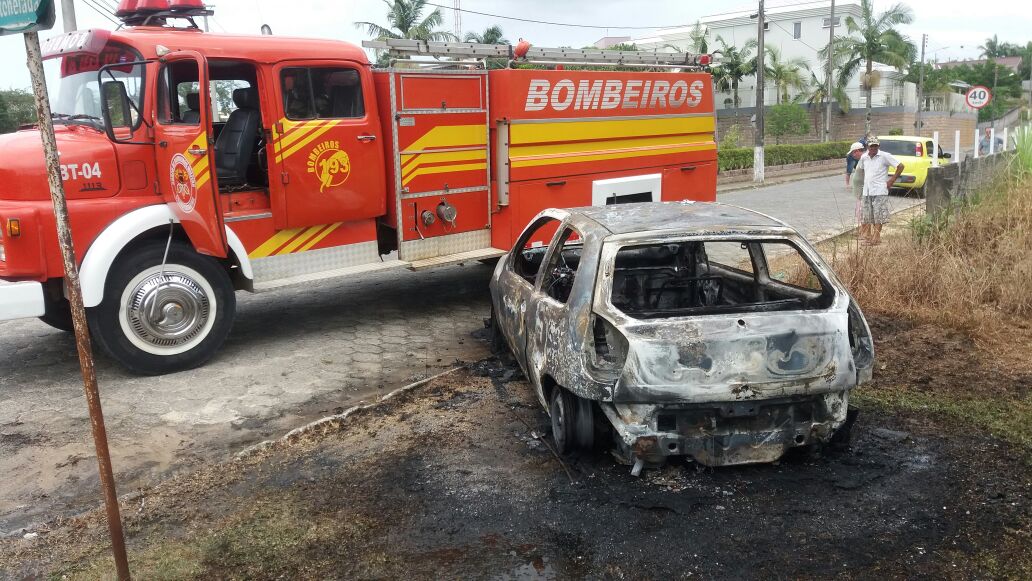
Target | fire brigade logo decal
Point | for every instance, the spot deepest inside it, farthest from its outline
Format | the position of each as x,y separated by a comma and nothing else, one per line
184,182
330,164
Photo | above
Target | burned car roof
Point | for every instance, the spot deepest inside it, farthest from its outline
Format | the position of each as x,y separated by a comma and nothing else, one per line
646,216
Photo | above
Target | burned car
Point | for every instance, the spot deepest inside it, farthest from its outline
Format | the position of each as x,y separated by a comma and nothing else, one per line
680,329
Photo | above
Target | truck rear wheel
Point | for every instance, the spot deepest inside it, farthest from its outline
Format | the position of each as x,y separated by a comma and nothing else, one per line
156,321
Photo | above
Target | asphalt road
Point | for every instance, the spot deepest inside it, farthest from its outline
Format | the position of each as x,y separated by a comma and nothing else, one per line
294,355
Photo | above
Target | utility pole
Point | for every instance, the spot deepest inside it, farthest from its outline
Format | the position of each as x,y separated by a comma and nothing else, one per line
68,15
761,61
831,66
920,86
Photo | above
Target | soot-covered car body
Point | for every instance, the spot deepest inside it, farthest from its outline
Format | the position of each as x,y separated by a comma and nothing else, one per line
695,329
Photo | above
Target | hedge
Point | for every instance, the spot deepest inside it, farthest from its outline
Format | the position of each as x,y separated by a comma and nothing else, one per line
742,157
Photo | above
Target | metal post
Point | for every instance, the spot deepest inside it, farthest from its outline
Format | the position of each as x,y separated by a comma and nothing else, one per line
935,149
68,15
831,68
920,86
1004,139
976,144
992,140
956,145
82,336
761,61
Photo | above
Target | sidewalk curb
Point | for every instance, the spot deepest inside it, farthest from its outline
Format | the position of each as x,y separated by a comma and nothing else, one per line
747,185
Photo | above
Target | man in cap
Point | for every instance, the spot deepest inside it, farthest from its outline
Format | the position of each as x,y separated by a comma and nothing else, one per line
877,183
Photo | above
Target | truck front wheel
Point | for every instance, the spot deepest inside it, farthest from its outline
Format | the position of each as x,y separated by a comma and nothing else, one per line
158,319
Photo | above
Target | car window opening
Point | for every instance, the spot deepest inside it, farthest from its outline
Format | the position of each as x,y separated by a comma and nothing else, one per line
715,277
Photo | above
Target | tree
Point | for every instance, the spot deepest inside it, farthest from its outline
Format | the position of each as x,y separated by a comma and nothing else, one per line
786,119
736,63
873,39
405,20
697,39
785,74
817,94
491,35
17,108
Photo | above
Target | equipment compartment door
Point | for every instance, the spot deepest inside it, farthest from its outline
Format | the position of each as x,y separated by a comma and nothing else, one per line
185,153
441,162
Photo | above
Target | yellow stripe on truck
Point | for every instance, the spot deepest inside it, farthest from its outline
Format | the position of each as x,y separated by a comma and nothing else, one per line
624,154
449,136
583,147
558,131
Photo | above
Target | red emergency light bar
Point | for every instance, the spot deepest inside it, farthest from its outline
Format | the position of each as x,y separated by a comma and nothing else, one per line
147,11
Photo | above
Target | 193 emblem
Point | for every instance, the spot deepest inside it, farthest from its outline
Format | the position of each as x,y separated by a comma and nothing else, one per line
330,164
184,182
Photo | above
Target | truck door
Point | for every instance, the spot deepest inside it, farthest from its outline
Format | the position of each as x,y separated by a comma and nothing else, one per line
327,145
185,154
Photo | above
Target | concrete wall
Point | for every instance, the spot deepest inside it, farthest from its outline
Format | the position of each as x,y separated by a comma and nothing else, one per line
955,182
850,126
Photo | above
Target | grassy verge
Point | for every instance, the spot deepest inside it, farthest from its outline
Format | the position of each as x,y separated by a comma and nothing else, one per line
968,273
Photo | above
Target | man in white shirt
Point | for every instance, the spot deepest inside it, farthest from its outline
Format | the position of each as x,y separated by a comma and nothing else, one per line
877,183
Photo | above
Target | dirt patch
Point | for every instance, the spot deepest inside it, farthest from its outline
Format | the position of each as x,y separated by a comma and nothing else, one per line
450,482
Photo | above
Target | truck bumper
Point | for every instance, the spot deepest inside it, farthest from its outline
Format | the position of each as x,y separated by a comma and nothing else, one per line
21,300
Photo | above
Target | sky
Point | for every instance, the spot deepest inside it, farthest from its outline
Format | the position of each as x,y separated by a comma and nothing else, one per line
955,27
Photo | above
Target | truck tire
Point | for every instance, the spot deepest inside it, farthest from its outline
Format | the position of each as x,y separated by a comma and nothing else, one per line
58,315
191,318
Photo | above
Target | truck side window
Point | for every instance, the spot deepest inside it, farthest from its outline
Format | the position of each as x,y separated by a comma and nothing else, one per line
322,93
178,94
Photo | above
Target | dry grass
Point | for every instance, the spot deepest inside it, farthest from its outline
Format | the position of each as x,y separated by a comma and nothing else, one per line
972,271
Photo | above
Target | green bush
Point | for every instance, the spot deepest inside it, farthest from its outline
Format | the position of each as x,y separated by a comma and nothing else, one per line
742,157
787,119
896,131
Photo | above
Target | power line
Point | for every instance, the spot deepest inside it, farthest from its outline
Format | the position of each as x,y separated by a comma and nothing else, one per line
101,11
571,25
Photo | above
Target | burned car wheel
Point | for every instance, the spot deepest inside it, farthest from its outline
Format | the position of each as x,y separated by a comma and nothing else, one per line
563,410
573,421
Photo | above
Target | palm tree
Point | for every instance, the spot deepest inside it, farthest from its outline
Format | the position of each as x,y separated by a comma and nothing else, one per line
817,96
992,50
873,39
405,18
785,74
697,36
491,35
736,63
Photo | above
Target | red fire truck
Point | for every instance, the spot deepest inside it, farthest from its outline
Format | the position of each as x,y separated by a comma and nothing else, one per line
199,164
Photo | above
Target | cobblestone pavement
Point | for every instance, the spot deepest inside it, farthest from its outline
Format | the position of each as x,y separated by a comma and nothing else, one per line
294,355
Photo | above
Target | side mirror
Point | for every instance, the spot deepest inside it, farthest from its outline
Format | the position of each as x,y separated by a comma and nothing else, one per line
946,155
116,108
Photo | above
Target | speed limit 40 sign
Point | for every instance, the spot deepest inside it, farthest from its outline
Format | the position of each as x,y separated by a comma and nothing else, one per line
978,97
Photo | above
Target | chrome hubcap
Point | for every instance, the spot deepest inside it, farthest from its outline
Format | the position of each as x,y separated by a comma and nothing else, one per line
169,310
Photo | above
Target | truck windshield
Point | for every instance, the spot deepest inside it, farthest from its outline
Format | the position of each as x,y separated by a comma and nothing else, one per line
75,90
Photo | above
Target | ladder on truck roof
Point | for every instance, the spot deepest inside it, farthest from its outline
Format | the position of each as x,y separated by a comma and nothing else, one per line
401,47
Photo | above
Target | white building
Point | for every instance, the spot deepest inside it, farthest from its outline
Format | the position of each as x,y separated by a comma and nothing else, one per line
797,30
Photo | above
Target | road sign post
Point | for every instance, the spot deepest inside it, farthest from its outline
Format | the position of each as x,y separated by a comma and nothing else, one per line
28,17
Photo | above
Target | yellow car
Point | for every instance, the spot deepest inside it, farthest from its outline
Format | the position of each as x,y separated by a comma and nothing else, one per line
915,153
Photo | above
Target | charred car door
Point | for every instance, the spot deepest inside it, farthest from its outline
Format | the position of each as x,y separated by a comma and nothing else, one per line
517,279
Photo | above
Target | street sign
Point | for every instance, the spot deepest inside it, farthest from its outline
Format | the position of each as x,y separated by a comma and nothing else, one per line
978,97
18,16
